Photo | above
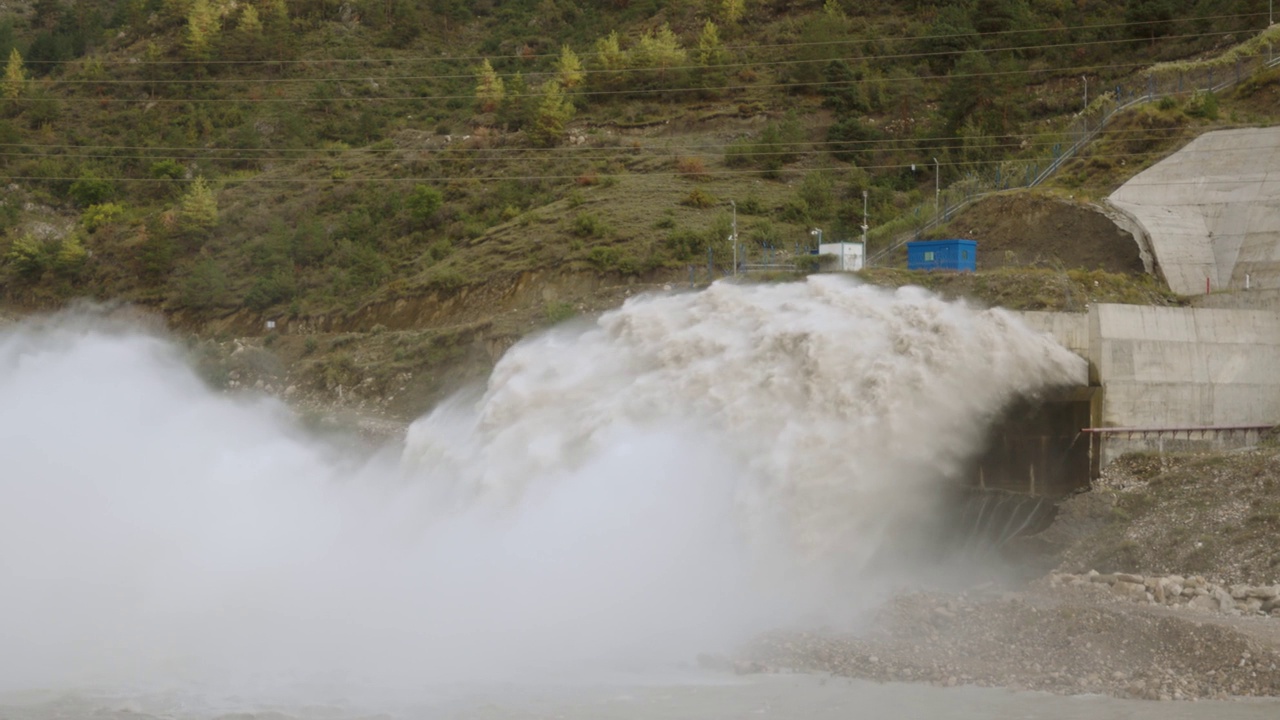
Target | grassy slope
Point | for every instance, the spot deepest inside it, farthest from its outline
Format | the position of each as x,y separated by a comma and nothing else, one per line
314,165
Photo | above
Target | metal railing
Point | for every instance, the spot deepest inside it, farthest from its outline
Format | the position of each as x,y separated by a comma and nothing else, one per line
1156,83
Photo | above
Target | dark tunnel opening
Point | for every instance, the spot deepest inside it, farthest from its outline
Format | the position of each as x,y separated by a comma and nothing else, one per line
1034,457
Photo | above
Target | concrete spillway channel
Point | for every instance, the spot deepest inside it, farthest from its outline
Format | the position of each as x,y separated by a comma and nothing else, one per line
1035,456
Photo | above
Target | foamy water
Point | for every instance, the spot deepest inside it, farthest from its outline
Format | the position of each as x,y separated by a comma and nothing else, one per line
681,474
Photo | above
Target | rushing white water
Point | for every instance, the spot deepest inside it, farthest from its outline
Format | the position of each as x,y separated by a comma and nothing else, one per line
682,473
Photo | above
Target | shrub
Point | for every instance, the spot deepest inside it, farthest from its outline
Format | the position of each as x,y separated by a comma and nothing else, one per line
816,190
589,225
604,258
1203,105
203,286
96,216
558,311
795,210
90,189
752,206
699,198
273,289
424,202
167,170
71,256
28,257
685,245
692,167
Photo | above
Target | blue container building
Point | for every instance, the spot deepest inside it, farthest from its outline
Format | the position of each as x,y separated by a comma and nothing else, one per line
954,255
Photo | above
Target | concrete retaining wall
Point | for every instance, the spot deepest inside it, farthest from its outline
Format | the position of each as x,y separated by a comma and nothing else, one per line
1175,367
1212,211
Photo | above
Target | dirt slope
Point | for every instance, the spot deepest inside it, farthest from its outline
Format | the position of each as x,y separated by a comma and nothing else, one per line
1031,229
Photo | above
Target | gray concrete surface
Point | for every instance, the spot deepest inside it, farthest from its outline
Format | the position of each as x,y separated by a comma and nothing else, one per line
1211,211
1164,367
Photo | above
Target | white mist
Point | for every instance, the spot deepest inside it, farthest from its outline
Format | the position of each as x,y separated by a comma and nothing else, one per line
683,473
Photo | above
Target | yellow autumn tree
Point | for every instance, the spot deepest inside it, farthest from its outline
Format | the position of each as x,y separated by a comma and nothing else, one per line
489,88
202,29
731,11
569,68
15,76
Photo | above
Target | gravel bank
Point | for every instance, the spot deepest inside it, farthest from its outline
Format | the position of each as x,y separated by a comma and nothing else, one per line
1064,640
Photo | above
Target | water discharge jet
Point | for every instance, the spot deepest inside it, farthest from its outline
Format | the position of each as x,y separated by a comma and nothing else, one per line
686,471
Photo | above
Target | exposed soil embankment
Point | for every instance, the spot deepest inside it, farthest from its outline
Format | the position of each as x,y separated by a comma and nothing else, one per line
1025,229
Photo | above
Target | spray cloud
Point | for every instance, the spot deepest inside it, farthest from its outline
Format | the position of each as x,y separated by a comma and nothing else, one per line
683,472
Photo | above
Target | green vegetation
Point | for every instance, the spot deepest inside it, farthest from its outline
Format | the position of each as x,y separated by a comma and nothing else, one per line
312,157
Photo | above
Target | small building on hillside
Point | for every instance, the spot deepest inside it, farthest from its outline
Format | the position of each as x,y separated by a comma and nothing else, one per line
841,256
954,255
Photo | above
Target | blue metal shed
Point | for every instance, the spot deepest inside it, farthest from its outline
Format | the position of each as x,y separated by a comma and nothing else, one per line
958,255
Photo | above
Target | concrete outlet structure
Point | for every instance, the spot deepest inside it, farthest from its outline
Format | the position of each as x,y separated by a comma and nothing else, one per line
1167,367
1210,212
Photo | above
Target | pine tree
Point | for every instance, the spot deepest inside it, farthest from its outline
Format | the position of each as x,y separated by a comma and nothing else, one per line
555,110
276,10
202,29
517,106
613,60
711,56
489,88
71,256
732,10
660,50
198,208
710,49
569,67
250,23
15,76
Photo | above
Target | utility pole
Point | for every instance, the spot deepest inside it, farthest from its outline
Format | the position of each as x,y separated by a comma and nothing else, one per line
1085,78
734,237
937,187
866,256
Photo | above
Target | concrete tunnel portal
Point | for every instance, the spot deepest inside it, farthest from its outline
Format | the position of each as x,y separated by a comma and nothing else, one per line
1035,455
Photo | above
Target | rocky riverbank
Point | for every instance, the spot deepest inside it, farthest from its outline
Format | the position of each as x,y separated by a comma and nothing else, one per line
1115,617
1059,637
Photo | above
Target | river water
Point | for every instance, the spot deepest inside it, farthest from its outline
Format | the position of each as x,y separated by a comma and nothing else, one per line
783,696
625,493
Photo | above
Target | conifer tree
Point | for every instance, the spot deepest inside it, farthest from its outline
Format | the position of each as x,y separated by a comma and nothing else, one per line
250,22
202,29
489,88
710,48
15,76
517,105
569,67
613,60
660,50
711,56
198,208
555,110
732,10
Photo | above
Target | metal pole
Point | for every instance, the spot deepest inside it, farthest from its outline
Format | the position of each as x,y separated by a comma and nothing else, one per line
866,256
1086,90
734,237
937,186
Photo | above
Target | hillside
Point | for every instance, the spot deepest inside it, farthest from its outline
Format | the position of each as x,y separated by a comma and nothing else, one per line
488,168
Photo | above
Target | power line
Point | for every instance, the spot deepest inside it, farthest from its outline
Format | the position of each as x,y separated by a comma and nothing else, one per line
1073,69
625,71
751,150
259,179
731,48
